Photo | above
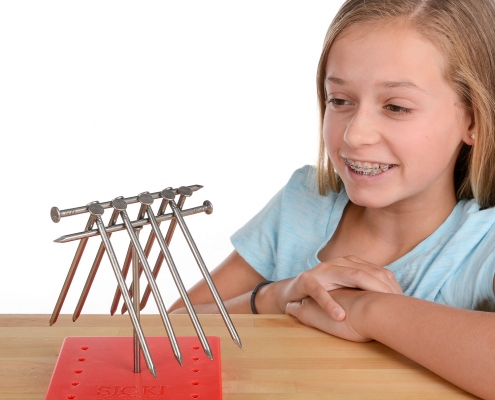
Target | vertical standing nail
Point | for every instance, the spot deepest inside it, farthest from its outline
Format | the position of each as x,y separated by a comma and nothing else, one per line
135,289
97,211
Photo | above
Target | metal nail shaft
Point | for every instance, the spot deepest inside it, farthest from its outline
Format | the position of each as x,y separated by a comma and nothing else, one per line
72,272
135,288
159,260
207,208
147,250
57,214
120,280
93,271
206,274
154,287
125,267
179,284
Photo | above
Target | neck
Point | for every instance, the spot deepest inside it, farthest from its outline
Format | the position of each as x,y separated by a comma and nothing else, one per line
403,225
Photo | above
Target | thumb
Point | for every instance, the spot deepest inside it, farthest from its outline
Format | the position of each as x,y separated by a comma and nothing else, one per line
297,309
294,308
325,301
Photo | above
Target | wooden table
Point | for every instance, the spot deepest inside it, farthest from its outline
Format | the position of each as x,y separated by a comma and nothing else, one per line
280,359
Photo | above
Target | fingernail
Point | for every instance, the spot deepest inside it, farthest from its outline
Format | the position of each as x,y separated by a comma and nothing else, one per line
338,313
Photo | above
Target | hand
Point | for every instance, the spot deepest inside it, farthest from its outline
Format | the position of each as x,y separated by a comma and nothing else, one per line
310,313
350,271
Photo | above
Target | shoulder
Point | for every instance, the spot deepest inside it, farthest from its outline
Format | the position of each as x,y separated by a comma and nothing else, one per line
302,187
476,254
469,216
304,177
471,231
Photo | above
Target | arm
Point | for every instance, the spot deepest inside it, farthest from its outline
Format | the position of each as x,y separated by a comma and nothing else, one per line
458,345
234,279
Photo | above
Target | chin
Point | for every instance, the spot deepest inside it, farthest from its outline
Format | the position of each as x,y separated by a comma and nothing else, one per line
369,200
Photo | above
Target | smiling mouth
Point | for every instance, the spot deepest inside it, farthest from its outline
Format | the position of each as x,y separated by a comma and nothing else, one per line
367,168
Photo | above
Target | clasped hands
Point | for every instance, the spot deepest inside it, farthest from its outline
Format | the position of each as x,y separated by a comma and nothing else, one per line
326,298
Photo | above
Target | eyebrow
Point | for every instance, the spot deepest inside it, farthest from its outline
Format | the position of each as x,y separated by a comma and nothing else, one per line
386,84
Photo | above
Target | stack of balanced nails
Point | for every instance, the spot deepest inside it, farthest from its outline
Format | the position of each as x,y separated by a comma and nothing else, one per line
138,257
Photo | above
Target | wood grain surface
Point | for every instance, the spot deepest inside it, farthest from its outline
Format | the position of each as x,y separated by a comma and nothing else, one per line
280,358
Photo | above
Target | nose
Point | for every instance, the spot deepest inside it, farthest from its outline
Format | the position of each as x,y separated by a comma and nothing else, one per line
362,129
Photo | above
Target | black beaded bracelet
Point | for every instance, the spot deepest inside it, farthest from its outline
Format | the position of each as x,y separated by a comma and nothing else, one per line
253,295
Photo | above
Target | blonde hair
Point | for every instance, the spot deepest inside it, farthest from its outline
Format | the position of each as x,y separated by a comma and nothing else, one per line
464,31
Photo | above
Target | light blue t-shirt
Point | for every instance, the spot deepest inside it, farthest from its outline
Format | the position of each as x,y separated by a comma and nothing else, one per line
455,265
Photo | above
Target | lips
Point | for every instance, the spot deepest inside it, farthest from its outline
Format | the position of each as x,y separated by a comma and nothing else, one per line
368,168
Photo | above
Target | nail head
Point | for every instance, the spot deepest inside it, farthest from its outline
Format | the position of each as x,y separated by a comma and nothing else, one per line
209,207
119,204
167,194
55,214
146,199
96,209
185,191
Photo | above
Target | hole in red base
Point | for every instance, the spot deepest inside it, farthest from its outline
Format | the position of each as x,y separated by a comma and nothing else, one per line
195,358
195,396
194,383
78,371
81,359
71,396
195,370
74,383
84,348
195,347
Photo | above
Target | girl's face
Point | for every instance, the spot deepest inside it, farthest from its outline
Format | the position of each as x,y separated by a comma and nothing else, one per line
393,126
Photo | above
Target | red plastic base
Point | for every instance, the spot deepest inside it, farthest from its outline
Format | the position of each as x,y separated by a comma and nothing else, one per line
101,368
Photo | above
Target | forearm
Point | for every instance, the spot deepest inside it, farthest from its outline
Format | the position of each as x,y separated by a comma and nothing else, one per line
233,278
237,305
270,299
458,345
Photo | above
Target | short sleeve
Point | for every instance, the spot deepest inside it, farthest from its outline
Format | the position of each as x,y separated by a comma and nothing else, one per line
471,285
257,240
282,240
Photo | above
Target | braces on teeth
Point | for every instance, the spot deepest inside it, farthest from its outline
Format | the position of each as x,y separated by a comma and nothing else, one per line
367,168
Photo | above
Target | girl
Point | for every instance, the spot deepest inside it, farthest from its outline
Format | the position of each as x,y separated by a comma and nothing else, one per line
401,201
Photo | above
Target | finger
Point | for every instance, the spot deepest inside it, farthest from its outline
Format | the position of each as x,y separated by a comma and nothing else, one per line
363,277
294,308
361,261
344,273
310,314
318,292
386,273
329,273
394,281
381,273
304,311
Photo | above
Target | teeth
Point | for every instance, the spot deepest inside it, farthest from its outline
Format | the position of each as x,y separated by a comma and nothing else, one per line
367,168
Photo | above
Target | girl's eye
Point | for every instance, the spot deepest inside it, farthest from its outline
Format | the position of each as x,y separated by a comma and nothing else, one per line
397,109
338,102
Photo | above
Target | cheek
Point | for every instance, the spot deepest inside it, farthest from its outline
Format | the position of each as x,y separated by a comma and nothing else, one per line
331,133
432,143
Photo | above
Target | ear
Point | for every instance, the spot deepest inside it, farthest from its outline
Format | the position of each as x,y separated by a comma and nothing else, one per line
470,134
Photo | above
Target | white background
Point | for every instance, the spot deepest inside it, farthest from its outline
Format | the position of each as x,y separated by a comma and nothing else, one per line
107,98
